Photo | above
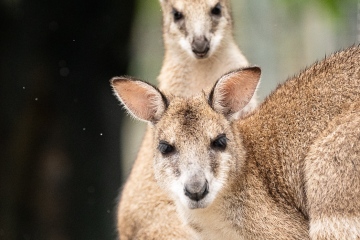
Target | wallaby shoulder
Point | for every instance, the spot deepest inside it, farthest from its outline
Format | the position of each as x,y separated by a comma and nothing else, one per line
293,116
332,179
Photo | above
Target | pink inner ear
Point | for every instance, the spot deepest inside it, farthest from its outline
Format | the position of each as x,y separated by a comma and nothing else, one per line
136,98
239,90
141,103
235,90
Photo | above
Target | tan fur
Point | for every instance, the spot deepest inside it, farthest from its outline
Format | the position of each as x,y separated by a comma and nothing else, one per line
332,179
290,170
145,211
183,74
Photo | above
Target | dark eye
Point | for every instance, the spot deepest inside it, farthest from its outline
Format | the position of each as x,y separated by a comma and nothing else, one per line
165,148
216,11
220,142
177,15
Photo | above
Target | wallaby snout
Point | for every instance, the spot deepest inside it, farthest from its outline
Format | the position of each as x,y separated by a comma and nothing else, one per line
200,46
196,188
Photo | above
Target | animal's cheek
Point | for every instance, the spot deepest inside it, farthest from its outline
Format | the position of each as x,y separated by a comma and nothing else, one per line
178,29
214,163
177,172
166,168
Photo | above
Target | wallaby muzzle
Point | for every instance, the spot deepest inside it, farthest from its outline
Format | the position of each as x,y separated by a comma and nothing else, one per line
200,46
196,189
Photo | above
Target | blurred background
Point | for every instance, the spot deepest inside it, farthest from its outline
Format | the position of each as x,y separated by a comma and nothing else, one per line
66,145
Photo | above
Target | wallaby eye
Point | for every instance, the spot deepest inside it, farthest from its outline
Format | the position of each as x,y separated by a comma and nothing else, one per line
216,11
165,148
177,15
220,142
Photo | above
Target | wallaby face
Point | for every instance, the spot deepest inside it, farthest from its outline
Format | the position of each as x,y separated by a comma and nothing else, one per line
192,160
193,140
197,27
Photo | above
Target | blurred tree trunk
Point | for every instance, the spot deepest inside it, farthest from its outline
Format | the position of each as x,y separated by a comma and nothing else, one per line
60,166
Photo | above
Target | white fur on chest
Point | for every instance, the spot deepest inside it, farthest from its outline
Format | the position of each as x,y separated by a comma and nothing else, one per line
209,223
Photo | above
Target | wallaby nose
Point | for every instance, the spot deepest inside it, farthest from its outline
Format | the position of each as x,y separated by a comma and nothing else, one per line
200,46
197,190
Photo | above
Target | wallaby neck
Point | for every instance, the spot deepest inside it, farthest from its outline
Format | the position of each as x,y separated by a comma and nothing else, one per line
185,76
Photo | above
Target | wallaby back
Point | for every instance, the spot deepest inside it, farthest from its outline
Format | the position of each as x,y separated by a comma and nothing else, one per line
293,116
278,137
332,179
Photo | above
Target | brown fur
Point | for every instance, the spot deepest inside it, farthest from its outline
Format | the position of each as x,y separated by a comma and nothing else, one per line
145,211
290,170
279,135
332,178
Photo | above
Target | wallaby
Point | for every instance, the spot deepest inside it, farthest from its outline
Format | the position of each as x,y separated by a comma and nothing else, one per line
199,45
199,48
289,170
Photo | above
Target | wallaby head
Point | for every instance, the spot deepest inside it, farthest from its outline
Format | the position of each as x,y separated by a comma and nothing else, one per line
198,27
193,137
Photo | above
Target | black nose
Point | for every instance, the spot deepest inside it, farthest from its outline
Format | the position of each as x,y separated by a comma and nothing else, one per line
196,191
200,46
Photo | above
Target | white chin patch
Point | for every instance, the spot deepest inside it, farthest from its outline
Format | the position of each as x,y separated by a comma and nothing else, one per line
203,203
177,190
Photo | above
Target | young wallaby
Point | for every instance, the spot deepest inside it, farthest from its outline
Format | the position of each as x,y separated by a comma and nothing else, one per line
289,170
199,45
199,48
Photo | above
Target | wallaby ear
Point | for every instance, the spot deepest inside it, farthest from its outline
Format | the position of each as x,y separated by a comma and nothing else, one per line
233,91
142,100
